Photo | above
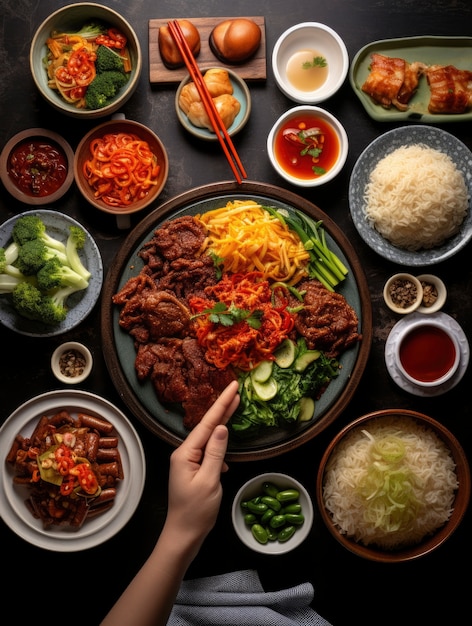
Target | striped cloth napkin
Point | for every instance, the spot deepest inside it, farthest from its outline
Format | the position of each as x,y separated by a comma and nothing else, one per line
238,598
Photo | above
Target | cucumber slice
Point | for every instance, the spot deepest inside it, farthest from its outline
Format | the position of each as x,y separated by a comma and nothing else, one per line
304,360
285,353
267,390
262,372
307,409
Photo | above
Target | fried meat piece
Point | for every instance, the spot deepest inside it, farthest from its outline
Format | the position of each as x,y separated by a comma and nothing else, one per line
451,89
392,81
181,238
180,373
327,321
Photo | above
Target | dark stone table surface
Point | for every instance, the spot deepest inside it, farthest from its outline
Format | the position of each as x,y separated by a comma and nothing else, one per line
79,587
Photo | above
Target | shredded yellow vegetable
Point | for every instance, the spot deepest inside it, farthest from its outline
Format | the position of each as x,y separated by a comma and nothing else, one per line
249,239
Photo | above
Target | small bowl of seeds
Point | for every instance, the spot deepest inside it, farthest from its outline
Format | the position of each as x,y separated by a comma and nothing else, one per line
71,363
403,293
434,293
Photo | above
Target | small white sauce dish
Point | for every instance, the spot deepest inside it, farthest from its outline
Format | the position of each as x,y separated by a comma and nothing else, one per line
427,352
405,281
324,42
71,363
433,283
319,117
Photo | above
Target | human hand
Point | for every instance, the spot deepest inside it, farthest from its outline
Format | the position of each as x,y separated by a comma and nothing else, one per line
195,490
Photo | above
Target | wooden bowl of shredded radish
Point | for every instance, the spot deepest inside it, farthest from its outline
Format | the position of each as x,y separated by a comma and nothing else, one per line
393,485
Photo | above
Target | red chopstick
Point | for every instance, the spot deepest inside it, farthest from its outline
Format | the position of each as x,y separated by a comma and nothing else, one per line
210,108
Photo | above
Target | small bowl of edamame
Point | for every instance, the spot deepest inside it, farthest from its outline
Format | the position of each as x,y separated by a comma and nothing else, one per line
272,513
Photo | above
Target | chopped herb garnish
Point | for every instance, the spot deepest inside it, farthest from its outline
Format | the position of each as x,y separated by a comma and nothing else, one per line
317,62
220,313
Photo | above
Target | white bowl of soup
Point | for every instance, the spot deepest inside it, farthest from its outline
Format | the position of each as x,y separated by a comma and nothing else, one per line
310,62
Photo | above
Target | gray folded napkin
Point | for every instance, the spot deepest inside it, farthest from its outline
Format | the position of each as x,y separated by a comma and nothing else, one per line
238,599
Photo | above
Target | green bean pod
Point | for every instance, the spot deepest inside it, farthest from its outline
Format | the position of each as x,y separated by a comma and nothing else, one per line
294,519
272,502
294,508
288,495
259,533
257,507
270,489
267,516
286,533
277,521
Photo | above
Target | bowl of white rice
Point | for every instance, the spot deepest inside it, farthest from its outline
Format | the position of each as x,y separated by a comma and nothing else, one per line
410,195
393,485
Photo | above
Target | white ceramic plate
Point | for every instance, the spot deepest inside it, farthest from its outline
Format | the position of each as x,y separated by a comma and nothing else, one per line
448,322
80,303
381,147
94,531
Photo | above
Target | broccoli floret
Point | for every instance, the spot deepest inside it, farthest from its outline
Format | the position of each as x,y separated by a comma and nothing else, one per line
8,256
103,88
8,282
108,60
88,31
29,227
55,274
75,242
29,302
32,255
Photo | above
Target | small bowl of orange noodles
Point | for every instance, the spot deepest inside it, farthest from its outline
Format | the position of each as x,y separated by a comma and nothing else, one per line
121,167
64,62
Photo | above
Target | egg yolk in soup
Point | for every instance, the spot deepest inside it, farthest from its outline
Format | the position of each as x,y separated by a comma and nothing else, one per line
306,147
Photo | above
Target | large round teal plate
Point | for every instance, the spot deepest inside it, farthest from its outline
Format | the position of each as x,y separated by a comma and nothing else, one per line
119,351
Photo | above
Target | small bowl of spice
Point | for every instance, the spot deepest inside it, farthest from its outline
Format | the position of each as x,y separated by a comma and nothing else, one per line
71,362
434,293
403,293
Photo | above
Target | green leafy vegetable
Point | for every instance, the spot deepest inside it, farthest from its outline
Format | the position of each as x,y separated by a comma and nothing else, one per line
317,62
324,264
220,313
287,406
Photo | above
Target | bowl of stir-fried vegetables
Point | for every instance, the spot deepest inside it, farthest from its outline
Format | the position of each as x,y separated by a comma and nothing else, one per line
85,60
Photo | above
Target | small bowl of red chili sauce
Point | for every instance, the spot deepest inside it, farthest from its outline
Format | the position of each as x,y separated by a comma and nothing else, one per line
427,352
36,166
307,146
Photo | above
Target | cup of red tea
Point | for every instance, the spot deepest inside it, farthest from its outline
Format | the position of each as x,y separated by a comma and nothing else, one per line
307,146
427,353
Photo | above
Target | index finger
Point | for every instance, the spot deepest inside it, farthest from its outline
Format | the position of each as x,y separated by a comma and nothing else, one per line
219,413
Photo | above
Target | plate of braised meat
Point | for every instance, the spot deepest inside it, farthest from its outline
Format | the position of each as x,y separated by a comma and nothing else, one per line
225,282
419,79
73,470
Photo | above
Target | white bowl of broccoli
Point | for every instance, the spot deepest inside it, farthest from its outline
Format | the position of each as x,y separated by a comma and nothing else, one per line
86,60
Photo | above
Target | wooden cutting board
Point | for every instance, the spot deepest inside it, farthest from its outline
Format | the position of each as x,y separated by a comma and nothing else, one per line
253,70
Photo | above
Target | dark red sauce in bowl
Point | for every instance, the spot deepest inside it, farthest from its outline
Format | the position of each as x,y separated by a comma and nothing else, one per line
36,166
428,354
